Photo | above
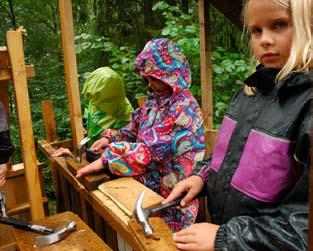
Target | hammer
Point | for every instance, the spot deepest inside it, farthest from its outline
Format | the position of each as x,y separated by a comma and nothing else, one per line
142,214
50,235
81,148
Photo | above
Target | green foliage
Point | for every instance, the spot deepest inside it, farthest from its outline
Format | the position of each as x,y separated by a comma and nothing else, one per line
121,60
229,68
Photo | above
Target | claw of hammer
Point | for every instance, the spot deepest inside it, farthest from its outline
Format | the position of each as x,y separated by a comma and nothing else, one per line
142,214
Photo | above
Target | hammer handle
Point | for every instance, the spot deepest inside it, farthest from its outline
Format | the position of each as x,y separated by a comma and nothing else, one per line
25,225
170,204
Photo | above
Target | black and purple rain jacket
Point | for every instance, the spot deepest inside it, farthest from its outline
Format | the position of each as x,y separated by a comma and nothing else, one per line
6,148
257,178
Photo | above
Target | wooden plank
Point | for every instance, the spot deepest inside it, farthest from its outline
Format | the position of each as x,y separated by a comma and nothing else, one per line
15,189
4,88
72,87
7,239
210,139
48,120
125,191
161,238
22,207
19,169
90,181
6,74
66,143
83,238
16,51
4,95
205,62
117,219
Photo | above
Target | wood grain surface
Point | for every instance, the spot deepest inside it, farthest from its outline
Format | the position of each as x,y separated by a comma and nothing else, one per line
161,238
90,181
125,191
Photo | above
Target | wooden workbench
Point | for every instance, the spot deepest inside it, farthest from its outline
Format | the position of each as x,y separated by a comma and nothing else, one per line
98,210
83,238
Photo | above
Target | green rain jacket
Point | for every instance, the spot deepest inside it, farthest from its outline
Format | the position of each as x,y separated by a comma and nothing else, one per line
108,106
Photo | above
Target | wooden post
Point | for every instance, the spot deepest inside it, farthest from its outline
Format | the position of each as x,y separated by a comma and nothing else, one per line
16,52
49,121
66,17
205,61
4,82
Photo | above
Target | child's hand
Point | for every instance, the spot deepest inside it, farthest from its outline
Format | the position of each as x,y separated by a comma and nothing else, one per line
62,152
3,172
198,237
191,185
92,167
99,145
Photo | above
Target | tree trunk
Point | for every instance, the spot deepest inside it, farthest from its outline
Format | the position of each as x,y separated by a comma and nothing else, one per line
12,15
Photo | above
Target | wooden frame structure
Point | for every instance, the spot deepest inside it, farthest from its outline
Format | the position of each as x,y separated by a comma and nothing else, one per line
12,67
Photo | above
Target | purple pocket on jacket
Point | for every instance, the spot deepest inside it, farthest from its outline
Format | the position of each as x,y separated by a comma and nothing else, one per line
221,146
266,167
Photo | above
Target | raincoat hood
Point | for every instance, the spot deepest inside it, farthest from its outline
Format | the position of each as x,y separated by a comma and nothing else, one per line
162,59
104,88
108,106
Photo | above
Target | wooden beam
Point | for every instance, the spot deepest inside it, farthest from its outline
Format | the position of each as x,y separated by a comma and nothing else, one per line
6,74
16,52
205,62
231,10
66,17
48,120
4,83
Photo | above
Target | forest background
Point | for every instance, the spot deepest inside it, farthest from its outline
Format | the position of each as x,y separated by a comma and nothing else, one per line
111,33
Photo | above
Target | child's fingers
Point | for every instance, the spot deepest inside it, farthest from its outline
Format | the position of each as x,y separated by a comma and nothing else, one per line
186,246
176,192
189,197
184,238
188,231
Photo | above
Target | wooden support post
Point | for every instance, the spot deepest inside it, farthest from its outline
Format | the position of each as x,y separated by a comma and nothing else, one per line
66,17
48,120
205,58
4,83
16,52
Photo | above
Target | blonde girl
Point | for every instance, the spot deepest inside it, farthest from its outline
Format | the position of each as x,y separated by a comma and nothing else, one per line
257,178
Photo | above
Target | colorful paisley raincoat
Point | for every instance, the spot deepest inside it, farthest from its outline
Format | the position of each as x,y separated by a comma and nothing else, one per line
165,137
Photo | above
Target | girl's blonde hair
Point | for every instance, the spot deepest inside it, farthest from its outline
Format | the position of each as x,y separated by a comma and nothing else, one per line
301,49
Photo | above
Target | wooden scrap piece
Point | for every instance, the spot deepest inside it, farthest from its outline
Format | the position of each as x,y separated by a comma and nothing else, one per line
125,191
90,181
162,236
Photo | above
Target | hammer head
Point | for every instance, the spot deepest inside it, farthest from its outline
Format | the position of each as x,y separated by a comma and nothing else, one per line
142,215
81,148
58,234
